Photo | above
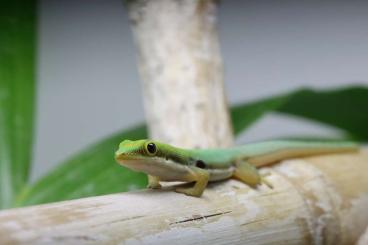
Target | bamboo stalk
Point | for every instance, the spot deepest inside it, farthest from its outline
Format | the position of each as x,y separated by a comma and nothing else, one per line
319,200
180,64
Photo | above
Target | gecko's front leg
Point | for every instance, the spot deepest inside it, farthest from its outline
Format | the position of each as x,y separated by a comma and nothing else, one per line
153,182
201,177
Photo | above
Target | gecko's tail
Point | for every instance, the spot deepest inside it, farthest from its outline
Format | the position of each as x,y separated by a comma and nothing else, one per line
282,150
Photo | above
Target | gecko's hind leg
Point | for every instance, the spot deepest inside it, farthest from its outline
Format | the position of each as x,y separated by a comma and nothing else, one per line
201,177
153,182
248,174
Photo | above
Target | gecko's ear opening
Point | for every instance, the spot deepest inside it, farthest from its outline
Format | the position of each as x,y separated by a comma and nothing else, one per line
151,148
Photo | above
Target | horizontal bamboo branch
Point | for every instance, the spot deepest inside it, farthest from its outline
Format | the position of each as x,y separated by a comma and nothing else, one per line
320,199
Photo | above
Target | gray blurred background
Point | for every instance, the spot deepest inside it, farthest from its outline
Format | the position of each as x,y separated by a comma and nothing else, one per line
88,86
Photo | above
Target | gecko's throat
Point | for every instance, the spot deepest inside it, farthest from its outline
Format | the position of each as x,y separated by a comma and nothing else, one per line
167,170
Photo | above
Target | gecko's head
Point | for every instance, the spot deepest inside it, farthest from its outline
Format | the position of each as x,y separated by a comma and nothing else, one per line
152,157
135,150
138,155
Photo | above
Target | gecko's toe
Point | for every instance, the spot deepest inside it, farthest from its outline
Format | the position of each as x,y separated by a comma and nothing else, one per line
154,186
189,191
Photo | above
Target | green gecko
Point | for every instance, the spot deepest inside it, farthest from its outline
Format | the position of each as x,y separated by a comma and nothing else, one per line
163,162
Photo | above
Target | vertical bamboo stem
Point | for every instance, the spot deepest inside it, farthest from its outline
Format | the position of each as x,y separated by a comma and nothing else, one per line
180,64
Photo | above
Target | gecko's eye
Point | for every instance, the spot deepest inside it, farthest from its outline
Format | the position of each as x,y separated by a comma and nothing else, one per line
151,148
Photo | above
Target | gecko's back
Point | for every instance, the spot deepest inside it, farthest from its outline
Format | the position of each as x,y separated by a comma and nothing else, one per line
270,151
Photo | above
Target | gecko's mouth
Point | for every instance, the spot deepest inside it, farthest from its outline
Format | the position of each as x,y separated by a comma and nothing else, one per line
166,169
135,163
127,159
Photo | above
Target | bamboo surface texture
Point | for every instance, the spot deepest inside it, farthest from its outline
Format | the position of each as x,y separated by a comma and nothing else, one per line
363,240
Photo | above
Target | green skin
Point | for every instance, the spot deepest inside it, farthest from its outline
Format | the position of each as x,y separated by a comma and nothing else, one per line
163,162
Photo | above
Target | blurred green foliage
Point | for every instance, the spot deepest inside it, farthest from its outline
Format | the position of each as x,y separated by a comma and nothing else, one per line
17,79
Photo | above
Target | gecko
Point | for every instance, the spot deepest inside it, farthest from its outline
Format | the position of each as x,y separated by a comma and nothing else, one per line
164,162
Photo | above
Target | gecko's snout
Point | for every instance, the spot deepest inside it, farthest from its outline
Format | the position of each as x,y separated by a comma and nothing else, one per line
119,155
122,156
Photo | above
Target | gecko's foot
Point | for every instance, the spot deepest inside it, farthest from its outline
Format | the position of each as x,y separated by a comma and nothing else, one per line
189,191
154,186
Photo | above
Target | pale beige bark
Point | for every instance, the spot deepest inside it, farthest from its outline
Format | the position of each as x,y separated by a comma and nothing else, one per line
181,68
316,200
363,240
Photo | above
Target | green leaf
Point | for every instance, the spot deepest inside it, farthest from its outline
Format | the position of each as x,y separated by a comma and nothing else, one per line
17,82
91,172
344,108
244,115
94,171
